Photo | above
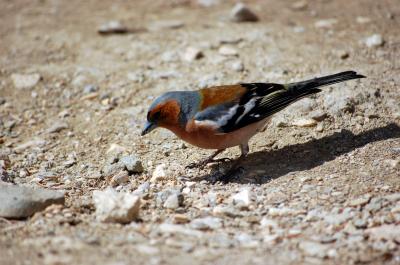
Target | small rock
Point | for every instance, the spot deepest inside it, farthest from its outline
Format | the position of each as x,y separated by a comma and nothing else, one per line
363,20
318,115
120,178
393,163
132,164
361,201
385,232
159,173
360,223
29,144
237,66
299,5
208,3
179,229
227,51
180,219
90,89
374,41
113,169
242,198
166,24
191,54
146,250
115,207
172,201
22,81
268,223
314,249
220,210
325,23
304,123
241,13
57,126
206,223
23,201
247,241
112,27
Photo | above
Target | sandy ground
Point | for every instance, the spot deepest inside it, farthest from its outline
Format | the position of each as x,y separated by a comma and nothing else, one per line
323,194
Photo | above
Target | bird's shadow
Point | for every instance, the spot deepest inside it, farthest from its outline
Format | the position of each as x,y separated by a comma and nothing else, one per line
263,166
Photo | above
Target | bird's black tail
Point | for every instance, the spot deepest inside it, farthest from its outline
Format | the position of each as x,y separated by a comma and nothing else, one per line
309,86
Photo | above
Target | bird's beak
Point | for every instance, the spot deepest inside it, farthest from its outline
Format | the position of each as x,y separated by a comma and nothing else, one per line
148,127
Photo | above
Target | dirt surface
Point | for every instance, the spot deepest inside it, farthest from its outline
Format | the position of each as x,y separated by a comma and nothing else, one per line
323,178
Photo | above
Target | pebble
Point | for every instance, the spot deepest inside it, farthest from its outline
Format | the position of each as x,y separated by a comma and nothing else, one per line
361,201
172,201
237,66
208,3
191,54
120,178
299,5
23,81
227,51
221,210
57,126
112,27
393,163
303,122
115,207
242,199
314,249
325,23
179,229
166,24
206,223
159,173
132,164
385,232
374,41
90,88
180,219
24,201
241,13
29,144
247,241
363,20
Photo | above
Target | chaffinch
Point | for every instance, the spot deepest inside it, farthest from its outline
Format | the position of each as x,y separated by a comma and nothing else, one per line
225,116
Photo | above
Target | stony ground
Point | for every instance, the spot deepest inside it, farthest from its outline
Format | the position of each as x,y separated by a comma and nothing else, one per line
320,186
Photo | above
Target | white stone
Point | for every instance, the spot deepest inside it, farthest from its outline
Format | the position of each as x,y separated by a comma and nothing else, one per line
22,81
373,41
179,229
191,54
172,201
112,206
325,23
159,173
227,51
206,223
237,66
302,122
242,198
314,249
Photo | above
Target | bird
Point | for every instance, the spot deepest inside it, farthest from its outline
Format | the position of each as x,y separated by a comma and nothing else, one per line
221,117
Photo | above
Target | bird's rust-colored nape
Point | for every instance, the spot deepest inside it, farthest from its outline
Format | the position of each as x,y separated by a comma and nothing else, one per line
168,113
215,95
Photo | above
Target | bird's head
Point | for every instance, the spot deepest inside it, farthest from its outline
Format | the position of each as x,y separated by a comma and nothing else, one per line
165,112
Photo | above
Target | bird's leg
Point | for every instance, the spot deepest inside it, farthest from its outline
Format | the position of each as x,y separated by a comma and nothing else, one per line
208,160
244,148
